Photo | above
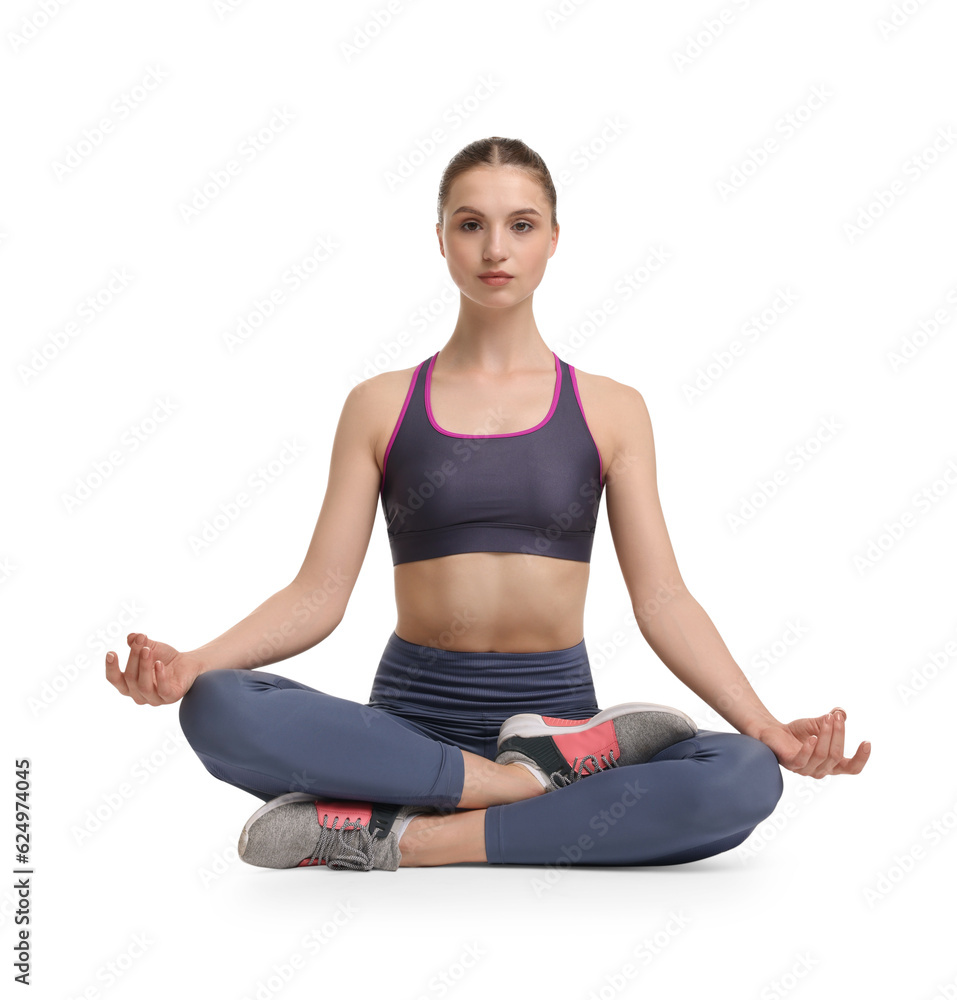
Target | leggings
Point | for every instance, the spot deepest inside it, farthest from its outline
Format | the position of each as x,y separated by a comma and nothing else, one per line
268,735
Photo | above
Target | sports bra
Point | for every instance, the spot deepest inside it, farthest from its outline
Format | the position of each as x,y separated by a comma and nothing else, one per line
535,491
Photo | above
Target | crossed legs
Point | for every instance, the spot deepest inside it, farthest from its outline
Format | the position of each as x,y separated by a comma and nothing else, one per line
269,735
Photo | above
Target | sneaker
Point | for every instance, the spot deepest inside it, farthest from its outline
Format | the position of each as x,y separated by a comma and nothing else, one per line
297,830
560,751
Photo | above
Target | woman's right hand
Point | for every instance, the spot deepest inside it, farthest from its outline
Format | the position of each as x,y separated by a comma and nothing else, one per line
156,673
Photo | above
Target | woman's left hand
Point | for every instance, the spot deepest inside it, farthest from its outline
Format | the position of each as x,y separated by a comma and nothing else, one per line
815,747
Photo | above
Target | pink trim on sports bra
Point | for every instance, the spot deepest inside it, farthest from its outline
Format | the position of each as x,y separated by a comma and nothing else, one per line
398,423
601,473
548,416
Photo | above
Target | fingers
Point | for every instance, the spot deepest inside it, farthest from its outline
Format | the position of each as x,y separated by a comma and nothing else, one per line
855,764
837,739
114,675
798,762
823,754
138,680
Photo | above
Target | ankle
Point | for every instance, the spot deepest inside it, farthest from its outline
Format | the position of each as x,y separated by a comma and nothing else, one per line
442,839
529,780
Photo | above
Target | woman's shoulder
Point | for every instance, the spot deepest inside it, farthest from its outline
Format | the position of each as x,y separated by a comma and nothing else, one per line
375,402
606,395
380,389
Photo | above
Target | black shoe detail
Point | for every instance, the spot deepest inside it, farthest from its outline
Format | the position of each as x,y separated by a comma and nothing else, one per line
383,816
540,749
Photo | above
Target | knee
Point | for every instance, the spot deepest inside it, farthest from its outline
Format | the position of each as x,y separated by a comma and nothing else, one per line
747,782
758,781
206,707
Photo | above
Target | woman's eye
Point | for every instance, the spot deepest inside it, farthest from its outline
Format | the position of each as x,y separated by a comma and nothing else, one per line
521,222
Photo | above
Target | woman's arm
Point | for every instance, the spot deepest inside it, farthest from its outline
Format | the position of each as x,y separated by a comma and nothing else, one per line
306,611
675,625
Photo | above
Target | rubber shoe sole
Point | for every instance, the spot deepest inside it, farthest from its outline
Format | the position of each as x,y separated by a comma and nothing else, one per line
544,725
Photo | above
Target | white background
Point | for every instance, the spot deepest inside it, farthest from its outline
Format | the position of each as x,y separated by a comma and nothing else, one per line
835,895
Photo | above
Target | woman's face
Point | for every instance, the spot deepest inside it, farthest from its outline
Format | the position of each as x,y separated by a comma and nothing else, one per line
496,219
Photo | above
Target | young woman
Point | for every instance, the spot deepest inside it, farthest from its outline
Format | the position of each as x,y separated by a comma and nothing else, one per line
482,740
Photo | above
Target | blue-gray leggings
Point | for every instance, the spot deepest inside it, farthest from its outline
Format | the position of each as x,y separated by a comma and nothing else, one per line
268,735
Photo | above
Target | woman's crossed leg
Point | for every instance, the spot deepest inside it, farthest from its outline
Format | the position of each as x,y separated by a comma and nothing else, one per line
270,735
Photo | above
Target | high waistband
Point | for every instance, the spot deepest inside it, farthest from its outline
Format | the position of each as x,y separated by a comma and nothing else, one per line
433,682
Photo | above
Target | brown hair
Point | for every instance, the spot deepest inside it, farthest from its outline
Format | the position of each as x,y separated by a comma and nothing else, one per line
497,151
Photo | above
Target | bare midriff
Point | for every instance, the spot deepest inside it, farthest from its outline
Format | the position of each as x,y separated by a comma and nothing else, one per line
499,601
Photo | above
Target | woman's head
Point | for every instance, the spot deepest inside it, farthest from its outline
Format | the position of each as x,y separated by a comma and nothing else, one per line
498,152
496,211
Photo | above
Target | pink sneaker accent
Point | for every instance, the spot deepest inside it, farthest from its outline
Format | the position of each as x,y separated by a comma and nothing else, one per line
598,741
340,815
562,722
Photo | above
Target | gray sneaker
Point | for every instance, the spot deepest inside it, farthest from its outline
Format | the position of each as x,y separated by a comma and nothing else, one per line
566,750
297,830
